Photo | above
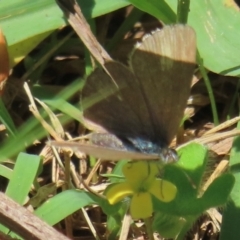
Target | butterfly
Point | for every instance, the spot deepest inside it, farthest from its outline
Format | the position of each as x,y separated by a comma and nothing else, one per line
137,109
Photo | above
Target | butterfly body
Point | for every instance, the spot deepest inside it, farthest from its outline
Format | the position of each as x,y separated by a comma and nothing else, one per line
125,143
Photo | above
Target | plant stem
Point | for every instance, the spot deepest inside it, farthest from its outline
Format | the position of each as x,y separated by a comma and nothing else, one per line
149,228
209,89
234,100
182,11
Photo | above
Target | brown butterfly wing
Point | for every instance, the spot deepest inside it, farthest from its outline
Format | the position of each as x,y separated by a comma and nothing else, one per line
105,153
150,105
164,64
114,101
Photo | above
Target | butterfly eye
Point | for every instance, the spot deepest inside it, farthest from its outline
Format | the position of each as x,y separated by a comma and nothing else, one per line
168,155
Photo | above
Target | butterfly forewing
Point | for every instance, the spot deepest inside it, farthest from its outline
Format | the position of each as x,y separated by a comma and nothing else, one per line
105,153
109,101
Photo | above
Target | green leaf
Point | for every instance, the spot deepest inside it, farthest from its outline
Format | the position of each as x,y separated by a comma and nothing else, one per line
187,177
23,176
5,171
216,26
115,214
158,9
218,192
12,146
64,204
21,179
230,228
168,226
32,128
58,102
26,23
193,159
117,171
6,119
217,32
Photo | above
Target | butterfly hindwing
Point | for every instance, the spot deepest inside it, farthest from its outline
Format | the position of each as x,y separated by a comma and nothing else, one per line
163,64
143,104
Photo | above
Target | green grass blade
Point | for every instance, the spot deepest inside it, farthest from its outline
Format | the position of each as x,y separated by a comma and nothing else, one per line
64,204
6,119
182,11
5,171
24,173
209,89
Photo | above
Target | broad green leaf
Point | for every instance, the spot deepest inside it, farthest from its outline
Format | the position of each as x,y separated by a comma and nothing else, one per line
230,228
188,180
26,23
159,9
216,26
